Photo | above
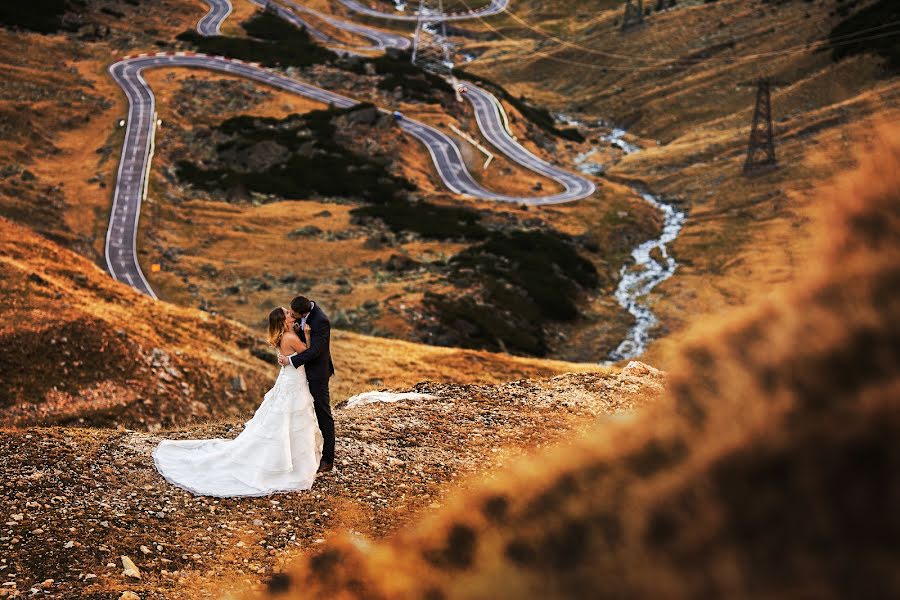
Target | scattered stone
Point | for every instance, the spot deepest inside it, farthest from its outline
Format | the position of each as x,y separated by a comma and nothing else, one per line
35,278
398,262
130,569
306,231
399,452
129,595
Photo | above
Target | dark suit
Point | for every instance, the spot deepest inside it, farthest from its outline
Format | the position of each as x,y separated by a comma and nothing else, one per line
319,368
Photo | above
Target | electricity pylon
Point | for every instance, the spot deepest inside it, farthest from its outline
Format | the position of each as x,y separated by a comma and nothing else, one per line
634,14
431,47
761,149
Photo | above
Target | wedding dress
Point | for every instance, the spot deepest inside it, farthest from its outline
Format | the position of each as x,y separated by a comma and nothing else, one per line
278,450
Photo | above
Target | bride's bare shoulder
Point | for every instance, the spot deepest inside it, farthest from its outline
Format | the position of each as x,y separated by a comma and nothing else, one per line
291,342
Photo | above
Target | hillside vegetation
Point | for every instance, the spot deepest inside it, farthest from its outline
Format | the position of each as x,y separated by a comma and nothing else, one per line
77,347
684,85
383,246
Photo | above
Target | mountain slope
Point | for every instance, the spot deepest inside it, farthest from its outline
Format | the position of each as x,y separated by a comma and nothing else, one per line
684,85
78,347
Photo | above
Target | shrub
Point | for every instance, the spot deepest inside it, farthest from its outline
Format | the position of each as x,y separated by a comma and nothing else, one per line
311,160
509,285
42,16
428,220
274,42
883,11
416,84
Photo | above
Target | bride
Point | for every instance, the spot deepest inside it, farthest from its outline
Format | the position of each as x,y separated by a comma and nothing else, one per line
279,449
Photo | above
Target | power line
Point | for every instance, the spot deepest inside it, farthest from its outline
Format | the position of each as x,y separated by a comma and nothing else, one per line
685,62
431,48
561,41
666,63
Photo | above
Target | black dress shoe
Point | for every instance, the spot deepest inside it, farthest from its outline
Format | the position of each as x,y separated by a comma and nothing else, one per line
324,467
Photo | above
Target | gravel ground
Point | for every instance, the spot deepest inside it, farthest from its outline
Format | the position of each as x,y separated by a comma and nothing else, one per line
77,500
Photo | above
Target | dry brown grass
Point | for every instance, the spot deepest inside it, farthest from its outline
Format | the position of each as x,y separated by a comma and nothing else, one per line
79,175
232,229
742,235
771,469
57,306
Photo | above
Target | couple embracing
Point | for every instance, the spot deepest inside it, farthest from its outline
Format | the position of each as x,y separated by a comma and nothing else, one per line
290,437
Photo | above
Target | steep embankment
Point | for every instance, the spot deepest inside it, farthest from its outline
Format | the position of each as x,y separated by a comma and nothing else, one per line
75,346
686,78
79,499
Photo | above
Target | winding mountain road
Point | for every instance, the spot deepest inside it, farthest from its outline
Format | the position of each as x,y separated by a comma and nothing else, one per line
383,39
211,22
495,7
134,165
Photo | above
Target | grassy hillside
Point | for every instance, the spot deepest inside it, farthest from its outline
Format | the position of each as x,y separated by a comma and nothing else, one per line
684,85
59,164
77,347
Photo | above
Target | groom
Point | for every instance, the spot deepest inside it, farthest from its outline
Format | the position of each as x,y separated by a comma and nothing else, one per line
319,368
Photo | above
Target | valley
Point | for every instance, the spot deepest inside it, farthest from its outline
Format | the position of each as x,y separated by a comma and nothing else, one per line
504,237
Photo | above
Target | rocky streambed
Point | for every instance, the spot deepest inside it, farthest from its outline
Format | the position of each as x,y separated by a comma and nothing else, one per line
651,262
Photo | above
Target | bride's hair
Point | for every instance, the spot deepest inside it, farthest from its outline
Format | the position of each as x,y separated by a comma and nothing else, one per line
276,326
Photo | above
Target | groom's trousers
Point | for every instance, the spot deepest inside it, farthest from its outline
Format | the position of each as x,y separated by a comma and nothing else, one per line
322,403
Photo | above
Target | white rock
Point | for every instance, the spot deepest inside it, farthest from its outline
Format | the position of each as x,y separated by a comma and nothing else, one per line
370,397
131,569
129,595
636,367
146,550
